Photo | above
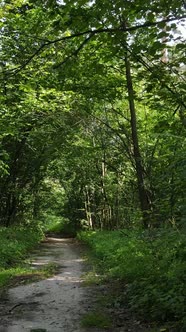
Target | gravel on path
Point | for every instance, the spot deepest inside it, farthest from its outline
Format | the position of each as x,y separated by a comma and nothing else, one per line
59,303
55,304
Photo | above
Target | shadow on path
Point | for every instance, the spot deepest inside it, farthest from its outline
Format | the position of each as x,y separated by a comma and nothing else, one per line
55,304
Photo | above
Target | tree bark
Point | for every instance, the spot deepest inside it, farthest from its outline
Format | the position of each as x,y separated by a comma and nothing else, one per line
142,192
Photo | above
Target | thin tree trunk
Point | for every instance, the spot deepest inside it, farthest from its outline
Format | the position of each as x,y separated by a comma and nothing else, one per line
143,195
88,208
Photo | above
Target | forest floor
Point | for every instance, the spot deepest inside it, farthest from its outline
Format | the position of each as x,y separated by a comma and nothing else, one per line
63,302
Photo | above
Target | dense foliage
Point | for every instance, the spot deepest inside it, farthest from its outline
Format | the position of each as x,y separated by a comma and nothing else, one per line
151,266
15,244
92,132
90,97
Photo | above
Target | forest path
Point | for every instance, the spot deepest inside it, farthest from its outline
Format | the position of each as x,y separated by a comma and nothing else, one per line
54,304
59,303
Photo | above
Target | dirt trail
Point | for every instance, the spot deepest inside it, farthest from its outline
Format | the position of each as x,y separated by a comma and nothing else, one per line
55,304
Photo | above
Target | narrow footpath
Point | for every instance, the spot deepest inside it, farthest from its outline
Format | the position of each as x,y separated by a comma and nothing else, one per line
59,303
55,304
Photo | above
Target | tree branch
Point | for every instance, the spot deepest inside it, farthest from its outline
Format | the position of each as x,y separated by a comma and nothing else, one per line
75,53
115,131
93,32
158,76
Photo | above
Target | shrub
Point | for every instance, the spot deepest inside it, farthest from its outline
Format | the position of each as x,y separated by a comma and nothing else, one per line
15,243
152,264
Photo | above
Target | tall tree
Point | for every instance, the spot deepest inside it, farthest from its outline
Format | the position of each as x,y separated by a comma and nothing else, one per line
65,60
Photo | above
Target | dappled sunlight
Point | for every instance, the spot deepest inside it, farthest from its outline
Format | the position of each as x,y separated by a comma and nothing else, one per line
78,260
36,304
66,278
57,239
40,263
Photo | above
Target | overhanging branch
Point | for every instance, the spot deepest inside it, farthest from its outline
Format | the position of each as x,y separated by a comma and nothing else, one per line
75,53
91,33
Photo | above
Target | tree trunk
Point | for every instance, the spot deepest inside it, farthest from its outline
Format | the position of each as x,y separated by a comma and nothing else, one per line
88,208
143,195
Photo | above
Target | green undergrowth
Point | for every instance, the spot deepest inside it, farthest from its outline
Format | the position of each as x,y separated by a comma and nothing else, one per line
96,319
151,265
92,278
15,243
60,226
24,275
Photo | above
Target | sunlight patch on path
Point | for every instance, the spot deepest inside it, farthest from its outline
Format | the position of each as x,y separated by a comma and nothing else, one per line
61,299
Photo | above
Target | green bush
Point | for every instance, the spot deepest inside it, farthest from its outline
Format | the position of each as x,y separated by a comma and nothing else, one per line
151,263
15,242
